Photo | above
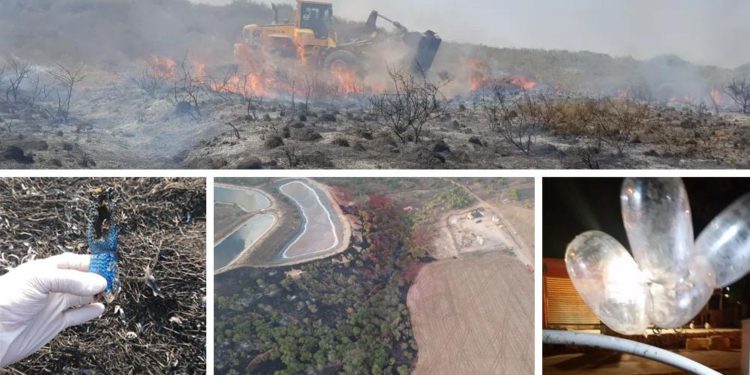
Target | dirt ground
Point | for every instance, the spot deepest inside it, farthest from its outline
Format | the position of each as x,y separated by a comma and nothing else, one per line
726,362
156,326
494,230
678,143
115,124
474,315
460,234
227,217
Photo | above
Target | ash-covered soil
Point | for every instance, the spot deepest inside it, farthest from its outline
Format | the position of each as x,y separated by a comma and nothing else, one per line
114,123
350,137
227,217
150,327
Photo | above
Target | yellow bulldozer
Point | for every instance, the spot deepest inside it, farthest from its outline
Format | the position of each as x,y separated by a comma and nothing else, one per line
311,39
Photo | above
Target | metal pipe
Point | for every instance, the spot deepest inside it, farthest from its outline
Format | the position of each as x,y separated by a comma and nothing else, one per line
627,346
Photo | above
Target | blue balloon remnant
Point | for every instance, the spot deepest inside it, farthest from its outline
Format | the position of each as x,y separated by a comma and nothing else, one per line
104,250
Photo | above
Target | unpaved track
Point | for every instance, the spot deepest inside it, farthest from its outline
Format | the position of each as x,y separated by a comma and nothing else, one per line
474,315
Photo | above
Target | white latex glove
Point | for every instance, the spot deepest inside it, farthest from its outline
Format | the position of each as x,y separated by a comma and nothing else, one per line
38,299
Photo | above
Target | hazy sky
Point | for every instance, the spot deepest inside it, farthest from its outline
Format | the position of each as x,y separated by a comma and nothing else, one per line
704,31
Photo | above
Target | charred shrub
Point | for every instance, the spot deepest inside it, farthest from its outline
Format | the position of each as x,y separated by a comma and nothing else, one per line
328,117
408,107
342,142
17,154
317,160
305,134
514,120
441,147
739,91
250,162
476,140
364,134
273,142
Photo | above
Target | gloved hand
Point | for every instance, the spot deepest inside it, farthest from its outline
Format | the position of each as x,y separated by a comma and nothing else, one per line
40,298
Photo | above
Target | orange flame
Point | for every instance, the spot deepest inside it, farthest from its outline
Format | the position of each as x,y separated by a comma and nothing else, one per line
477,73
523,82
199,72
348,81
717,96
251,84
301,54
480,77
162,67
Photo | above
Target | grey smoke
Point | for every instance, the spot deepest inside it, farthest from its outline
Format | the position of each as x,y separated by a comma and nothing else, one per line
701,31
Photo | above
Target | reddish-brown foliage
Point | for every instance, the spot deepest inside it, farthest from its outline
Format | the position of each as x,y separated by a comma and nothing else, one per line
341,194
385,227
412,271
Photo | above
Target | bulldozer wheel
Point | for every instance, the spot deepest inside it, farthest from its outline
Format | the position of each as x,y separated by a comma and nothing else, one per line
341,60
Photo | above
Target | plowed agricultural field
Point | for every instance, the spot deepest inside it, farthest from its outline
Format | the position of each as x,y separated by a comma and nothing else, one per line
474,315
320,232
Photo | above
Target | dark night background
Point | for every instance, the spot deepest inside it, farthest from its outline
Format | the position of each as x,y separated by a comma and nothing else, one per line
575,205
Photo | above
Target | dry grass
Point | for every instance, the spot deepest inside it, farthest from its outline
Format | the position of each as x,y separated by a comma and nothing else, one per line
162,232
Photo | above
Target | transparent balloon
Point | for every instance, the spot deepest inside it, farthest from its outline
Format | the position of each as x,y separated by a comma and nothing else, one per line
674,304
608,279
657,219
725,242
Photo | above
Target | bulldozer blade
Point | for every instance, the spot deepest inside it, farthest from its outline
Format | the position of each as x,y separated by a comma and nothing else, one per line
427,49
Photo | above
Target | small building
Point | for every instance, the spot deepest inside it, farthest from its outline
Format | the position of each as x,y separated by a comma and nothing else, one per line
475,215
562,306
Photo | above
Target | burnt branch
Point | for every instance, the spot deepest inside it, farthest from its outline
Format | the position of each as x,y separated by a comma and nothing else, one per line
410,105
514,120
739,91
67,77
148,82
19,71
290,152
235,130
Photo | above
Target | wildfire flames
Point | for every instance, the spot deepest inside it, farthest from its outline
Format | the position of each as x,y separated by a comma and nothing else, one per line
250,84
523,82
348,81
265,80
717,96
162,67
480,77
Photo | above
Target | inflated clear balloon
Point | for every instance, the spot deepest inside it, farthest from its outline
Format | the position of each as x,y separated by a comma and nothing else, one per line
657,219
608,279
672,305
725,242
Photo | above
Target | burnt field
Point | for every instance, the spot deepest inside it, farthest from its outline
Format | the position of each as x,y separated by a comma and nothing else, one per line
166,87
157,322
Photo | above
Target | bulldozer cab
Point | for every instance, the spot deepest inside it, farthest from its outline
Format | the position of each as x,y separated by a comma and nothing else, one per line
315,16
